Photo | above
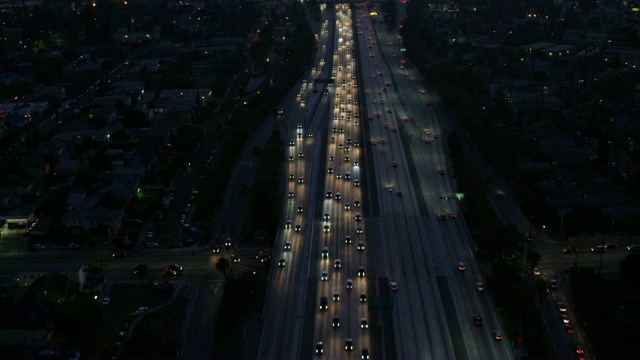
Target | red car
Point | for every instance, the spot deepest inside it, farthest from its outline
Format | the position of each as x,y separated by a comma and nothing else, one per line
453,215
442,172
399,193
569,329
405,119
394,129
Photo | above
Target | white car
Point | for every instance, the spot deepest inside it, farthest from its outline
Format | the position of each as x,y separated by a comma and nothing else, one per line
480,286
393,286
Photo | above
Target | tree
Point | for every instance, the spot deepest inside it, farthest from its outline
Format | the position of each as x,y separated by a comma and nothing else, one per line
223,265
630,272
141,271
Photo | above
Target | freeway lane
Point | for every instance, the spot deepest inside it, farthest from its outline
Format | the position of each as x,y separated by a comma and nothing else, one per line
451,299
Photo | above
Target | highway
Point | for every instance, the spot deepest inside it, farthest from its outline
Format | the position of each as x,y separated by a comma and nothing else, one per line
435,303
379,114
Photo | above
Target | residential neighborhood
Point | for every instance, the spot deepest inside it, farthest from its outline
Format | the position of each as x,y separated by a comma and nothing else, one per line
122,123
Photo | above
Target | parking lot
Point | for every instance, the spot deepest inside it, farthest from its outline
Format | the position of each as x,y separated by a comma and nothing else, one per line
119,316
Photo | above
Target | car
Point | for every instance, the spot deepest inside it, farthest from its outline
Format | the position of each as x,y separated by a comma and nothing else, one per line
175,267
151,245
393,286
633,248
336,296
347,239
442,217
329,194
364,324
325,253
356,203
335,322
453,215
281,263
287,246
565,319
609,246
300,180
287,224
570,268
330,170
553,283
358,217
300,209
75,355
347,206
363,298
536,271
569,329
338,196
235,259
360,271
570,250
337,263
290,194
389,189
106,301
480,286
461,266
348,345
356,182
347,175
248,271
497,335
477,320
325,228
338,175
118,254
349,284
324,276
561,306
502,195
441,171
360,245
319,348
359,230
324,305
326,216
149,234
356,163
598,249
364,354
292,143
141,310
579,350
298,228
394,163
